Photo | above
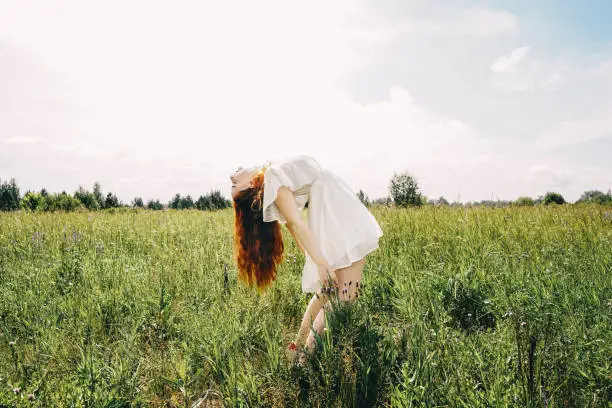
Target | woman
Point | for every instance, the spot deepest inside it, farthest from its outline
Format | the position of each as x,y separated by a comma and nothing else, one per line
339,233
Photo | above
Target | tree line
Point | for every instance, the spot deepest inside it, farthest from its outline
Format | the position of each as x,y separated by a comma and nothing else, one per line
11,200
404,191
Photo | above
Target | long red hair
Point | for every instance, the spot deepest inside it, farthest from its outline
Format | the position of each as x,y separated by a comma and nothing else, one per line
258,245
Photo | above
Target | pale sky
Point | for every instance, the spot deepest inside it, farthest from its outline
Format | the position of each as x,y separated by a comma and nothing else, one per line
477,99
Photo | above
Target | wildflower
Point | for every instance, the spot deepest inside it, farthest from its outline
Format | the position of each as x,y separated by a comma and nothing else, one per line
16,390
31,397
11,344
523,324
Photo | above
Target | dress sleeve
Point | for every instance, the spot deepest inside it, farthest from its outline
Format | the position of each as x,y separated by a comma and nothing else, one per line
293,173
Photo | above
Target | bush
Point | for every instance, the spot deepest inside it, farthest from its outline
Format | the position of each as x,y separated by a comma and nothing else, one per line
32,201
524,202
467,303
405,190
9,195
553,198
59,202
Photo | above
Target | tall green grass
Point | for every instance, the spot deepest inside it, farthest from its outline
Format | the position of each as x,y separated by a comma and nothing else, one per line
473,307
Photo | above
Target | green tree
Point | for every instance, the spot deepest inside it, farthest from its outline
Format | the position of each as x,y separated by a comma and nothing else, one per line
214,200
596,197
97,192
111,201
440,201
553,198
218,201
186,202
363,198
88,199
154,205
175,201
203,203
404,190
137,202
9,195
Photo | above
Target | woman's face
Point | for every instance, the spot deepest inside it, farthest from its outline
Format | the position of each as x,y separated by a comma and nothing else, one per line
241,180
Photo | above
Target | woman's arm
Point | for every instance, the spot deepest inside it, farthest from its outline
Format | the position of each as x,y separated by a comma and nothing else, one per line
286,204
295,238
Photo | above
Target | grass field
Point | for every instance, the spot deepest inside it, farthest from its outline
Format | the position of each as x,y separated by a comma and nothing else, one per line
481,307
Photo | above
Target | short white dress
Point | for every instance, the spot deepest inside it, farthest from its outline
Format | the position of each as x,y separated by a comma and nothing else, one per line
344,228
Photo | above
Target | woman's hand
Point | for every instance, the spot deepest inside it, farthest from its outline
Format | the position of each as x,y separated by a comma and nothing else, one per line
324,271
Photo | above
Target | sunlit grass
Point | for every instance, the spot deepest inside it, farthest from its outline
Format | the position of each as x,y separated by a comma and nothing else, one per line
460,307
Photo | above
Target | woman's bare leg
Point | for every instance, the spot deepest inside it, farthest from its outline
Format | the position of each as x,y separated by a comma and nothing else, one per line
312,310
349,279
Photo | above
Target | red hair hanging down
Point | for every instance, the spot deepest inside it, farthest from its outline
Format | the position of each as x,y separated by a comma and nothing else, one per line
258,245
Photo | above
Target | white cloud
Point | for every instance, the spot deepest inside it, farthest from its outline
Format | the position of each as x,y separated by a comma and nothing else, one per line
552,177
508,63
574,132
471,22
21,140
483,21
518,72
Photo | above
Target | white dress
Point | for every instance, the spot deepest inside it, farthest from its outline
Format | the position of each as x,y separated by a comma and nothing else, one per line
343,227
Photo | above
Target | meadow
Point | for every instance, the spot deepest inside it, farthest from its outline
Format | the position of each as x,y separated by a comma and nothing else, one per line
460,307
